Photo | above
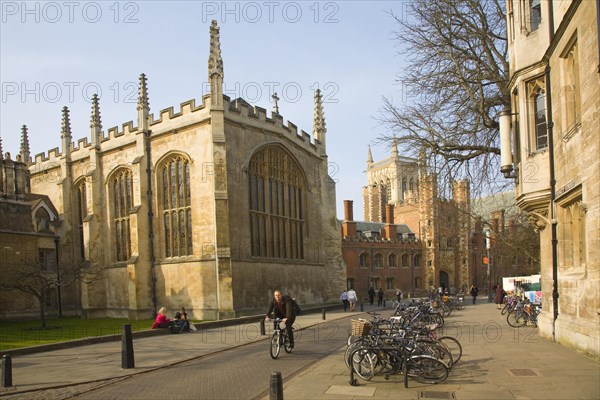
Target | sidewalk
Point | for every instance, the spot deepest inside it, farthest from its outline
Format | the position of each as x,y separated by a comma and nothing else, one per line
498,362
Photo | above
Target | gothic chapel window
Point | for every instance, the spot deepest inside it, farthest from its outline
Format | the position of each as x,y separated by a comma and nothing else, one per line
176,207
388,192
122,200
276,191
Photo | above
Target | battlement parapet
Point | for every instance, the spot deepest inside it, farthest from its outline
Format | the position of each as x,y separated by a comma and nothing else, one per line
113,133
42,157
242,112
168,114
80,144
362,239
127,129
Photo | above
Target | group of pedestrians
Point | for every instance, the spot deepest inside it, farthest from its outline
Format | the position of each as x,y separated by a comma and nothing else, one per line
349,298
497,290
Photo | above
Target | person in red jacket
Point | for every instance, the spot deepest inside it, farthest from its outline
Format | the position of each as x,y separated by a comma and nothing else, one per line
161,319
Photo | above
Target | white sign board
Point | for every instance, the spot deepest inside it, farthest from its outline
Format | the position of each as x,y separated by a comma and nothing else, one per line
508,284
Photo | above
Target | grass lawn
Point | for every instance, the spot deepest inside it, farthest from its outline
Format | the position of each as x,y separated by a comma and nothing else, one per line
17,334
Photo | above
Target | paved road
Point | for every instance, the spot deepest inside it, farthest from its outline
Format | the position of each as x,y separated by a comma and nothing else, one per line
240,373
498,362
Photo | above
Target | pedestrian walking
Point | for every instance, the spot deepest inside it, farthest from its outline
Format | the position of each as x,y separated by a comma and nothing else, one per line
499,296
380,297
474,293
352,298
371,295
344,299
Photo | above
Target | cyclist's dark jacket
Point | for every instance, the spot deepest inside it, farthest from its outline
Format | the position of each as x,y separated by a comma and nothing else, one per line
281,310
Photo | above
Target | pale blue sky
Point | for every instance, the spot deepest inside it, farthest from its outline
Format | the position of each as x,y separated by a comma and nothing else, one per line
59,53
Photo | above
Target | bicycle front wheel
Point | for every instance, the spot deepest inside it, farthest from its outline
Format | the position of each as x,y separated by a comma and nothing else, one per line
453,346
426,369
349,350
275,346
363,363
436,319
516,319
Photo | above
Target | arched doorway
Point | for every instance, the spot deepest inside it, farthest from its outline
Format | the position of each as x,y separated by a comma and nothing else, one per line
444,279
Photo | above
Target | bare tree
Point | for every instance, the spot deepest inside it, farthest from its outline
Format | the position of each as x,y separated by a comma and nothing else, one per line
516,250
30,279
454,86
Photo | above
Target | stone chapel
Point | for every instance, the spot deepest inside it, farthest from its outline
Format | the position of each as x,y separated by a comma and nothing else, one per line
211,206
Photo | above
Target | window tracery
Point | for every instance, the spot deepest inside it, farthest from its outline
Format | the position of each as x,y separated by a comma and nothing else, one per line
176,206
276,190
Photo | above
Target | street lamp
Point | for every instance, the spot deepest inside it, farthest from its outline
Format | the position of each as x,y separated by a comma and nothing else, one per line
508,169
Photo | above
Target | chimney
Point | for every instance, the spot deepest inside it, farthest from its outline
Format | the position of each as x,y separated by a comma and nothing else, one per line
348,226
389,213
348,210
498,221
389,230
495,224
511,228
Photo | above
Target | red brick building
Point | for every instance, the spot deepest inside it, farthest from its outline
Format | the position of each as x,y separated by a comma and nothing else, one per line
381,255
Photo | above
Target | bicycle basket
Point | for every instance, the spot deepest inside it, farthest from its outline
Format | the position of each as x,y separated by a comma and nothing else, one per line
360,327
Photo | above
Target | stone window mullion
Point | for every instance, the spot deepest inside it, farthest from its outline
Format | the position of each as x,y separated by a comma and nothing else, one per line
122,188
275,205
177,217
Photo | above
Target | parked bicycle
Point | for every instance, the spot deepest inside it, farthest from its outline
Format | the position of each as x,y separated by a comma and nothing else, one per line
523,313
398,356
279,339
509,304
399,346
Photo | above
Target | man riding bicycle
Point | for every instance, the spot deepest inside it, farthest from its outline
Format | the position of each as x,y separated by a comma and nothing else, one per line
281,307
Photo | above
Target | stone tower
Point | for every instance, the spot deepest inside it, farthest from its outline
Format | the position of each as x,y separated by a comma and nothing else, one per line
461,193
393,180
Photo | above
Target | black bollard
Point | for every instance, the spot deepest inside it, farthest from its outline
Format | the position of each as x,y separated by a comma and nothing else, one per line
262,327
384,303
127,360
323,316
7,370
276,387
362,308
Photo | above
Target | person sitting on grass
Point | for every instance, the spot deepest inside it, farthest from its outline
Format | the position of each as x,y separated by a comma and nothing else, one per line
181,322
161,320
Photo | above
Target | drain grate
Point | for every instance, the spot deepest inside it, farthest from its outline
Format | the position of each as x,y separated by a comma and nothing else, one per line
436,395
522,372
